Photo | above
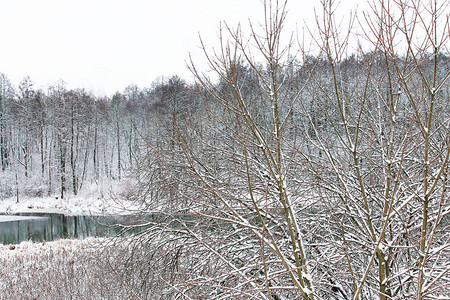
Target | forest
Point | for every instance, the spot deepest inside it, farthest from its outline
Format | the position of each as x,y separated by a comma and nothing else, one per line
55,141
290,174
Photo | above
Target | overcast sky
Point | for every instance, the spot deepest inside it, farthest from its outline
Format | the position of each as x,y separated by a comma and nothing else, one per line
105,45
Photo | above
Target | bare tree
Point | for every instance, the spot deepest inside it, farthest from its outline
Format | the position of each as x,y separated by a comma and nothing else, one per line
59,100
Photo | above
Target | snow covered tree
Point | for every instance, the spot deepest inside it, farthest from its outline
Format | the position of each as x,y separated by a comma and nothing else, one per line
235,214
320,179
6,96
380,160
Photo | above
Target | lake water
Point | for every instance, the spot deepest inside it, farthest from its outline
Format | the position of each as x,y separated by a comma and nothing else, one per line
47,227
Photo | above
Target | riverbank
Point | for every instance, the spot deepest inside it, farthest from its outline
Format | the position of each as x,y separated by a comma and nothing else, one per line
89,201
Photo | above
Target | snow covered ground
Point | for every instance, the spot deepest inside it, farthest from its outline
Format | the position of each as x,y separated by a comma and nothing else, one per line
88,201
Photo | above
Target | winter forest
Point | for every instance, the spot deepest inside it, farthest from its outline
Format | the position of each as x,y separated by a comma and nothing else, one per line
295,167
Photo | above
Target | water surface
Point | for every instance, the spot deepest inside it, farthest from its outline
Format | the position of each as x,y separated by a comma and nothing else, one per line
48,227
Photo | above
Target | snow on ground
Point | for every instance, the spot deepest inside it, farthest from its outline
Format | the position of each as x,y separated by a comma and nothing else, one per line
63,246
88,201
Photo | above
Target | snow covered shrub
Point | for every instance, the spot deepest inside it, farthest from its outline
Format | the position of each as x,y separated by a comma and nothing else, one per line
64,269
7,184
34,187
126,188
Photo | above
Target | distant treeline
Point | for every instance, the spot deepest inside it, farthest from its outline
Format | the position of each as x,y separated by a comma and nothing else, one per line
61,139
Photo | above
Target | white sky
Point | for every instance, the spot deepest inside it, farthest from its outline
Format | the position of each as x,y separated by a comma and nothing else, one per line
105,45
